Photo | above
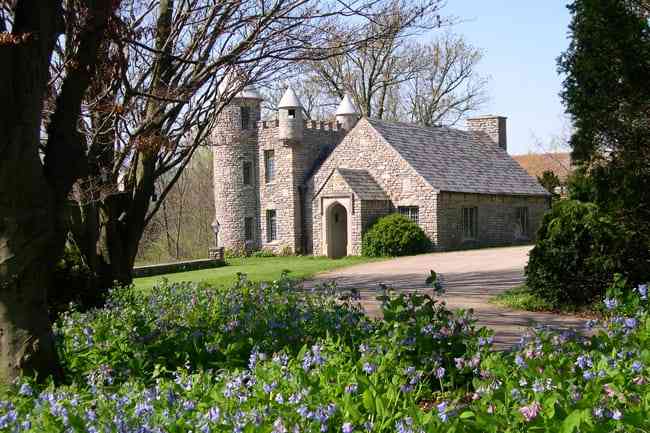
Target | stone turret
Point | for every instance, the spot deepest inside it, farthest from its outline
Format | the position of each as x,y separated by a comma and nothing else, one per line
346,114
235,161
291,121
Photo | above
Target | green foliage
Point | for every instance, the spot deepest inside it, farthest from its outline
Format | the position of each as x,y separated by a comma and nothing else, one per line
231,253
549,180
581,186
73,282
264,252
269,358
606,78
521,298
394,235
606,91
579,249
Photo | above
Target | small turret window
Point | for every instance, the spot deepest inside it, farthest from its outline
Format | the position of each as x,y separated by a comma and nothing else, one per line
248,228
245,117
271,226
269,165
292,113
248,173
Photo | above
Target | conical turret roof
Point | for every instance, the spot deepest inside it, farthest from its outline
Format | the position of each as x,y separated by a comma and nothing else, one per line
346,106
249,91
289,99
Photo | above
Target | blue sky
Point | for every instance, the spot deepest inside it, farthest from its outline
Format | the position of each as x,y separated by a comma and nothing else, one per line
520,40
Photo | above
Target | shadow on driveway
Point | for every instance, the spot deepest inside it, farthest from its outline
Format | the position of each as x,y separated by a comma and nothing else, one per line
463,290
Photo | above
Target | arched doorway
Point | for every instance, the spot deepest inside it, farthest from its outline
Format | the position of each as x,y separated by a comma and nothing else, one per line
337,231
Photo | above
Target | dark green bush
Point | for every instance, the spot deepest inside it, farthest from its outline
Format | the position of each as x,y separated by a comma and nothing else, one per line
74,282
394,235
579,249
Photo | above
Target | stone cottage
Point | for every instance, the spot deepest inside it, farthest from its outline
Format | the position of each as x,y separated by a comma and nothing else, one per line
315,187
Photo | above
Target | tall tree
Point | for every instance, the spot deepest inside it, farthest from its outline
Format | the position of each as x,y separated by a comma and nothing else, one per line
371,71
606,70
35,180
606,92
176,61
447,86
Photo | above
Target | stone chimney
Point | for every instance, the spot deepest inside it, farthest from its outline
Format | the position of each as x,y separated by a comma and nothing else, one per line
493,126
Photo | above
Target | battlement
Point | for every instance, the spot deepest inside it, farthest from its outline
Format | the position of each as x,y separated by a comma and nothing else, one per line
321,125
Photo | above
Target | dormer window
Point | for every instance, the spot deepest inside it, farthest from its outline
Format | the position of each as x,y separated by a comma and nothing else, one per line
292,113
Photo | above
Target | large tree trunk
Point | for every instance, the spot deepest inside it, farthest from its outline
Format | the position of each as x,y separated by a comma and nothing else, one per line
28,238
33,193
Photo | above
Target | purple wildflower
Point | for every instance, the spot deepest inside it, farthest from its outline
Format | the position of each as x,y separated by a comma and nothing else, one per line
369,368
531,411
610,304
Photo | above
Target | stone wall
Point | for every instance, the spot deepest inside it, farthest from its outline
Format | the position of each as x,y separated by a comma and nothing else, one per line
364,149
497,219
293,161
232,146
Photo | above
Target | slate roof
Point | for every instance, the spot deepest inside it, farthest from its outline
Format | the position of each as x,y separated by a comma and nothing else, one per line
363,184
458,161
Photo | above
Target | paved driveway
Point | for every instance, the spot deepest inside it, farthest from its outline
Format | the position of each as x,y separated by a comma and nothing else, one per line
470,279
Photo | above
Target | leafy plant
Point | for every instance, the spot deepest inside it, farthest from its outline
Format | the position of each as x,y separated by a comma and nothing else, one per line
394,235
578,251
234,360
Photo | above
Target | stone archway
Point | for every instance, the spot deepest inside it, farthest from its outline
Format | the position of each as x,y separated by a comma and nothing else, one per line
337,231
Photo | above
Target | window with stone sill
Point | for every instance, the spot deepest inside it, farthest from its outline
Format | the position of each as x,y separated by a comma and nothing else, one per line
245,117
410,212
522,220
248,173
271,226
248,228
470,222
269,166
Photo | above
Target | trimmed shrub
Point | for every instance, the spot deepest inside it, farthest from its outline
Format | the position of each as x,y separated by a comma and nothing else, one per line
394,235
579,249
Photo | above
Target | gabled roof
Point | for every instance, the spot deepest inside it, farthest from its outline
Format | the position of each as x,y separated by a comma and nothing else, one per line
536,164
458,161
362,183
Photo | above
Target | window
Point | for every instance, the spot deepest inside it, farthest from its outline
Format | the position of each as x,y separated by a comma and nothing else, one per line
271,226
269,165
522,219
248,173
470,222
292,113
245,117
410,212
248,228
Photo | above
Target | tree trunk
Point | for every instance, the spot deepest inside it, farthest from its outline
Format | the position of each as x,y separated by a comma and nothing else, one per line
28,220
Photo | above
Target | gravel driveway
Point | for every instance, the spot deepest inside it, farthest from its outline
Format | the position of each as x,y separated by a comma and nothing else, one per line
470,279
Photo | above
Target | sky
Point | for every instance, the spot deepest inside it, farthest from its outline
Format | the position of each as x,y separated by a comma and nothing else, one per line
520,40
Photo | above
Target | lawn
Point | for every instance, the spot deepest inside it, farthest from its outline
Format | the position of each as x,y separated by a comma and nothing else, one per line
257,269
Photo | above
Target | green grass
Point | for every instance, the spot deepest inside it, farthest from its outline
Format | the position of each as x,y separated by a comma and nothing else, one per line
521,298
257,269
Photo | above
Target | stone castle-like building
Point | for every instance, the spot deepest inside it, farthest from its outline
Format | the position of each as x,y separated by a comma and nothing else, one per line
314,187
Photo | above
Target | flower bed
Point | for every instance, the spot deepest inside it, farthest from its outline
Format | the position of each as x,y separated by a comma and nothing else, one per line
269,358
